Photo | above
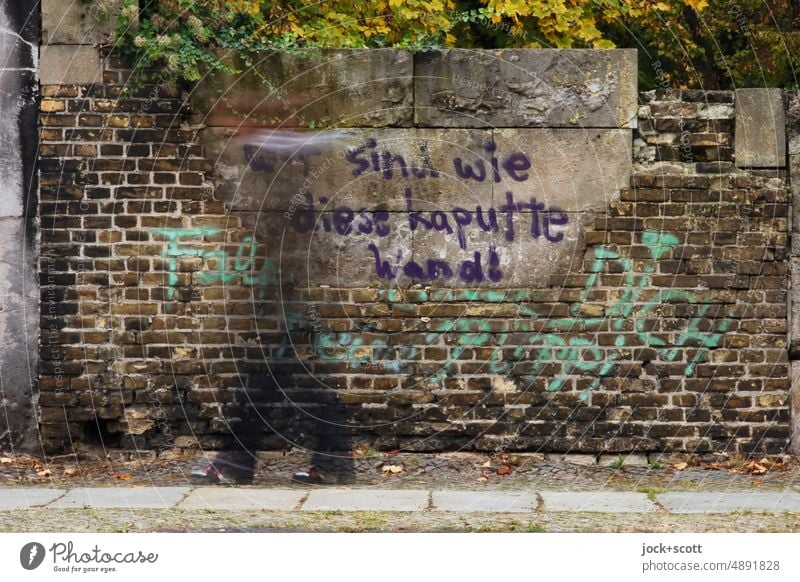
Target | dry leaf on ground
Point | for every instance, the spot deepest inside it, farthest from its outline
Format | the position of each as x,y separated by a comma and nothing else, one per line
512,460
756,468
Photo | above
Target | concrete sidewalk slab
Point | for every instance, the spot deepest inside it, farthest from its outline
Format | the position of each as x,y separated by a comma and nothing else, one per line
243,499
25,498
366,500
488,501
729,501
121,498
597,501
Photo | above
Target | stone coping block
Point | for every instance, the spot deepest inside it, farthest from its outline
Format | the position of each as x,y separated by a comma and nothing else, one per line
121,498
726,502
366,500
64,64
315,87
243,499
794,305
760,128
73,22
568,88
27,498
526,88
793,122
597,502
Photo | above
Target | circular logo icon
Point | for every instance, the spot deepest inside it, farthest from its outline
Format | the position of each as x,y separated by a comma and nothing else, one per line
31,555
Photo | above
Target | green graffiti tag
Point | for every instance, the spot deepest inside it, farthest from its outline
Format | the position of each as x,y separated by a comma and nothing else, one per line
579,355
551,349
241,270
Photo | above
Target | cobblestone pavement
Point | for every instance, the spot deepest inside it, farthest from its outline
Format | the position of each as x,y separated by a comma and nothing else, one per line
413,471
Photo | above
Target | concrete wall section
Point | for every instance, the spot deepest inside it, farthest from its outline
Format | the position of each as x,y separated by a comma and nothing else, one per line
340,193
19,32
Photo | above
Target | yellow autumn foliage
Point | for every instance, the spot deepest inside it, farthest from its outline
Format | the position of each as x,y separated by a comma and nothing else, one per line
710,43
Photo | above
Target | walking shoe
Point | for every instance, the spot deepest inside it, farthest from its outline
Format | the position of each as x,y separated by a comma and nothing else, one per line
210,472
310,477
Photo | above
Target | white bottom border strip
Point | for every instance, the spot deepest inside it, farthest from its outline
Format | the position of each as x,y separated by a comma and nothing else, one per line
324,557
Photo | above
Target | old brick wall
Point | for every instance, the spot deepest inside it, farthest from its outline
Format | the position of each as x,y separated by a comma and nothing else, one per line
171,320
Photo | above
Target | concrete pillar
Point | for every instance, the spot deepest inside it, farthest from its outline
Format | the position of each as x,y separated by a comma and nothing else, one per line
760,129
19,320
792,137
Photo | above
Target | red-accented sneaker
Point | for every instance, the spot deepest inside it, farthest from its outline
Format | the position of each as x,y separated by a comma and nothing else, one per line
310,477
209,472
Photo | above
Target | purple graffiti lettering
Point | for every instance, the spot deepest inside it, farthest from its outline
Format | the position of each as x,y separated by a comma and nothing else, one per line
467,173
491,225
343,220
382,268
352,156
385,161
462,217
509,208
554,218
515,165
